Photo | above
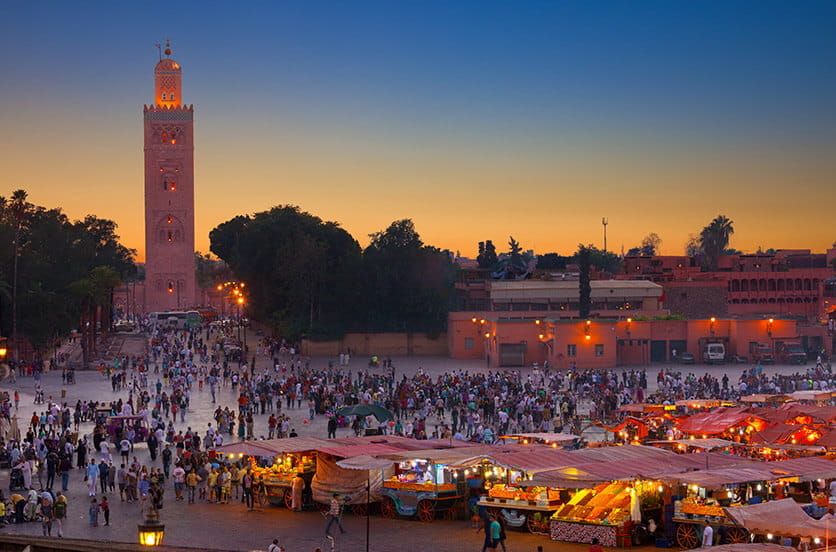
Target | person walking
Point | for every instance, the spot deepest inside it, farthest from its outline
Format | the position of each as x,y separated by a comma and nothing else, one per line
247,488
60,510
47,514
334,514
92,477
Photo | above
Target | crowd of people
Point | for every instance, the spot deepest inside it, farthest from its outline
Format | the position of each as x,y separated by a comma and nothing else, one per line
274,388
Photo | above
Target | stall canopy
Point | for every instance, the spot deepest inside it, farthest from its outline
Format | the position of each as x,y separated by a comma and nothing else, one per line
782,517
710,443
804,469
590,474
531,460
365,462
547,437
763,397
246,448
811,395
348,446
716,421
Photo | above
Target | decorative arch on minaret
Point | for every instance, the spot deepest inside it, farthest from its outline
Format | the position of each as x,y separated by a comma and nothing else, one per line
170,229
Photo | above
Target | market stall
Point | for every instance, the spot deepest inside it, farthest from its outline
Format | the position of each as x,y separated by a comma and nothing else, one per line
707,497
423,486
781,519
603,513
279,476
358,487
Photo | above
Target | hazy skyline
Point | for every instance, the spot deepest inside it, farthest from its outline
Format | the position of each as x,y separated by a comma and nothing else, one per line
478,120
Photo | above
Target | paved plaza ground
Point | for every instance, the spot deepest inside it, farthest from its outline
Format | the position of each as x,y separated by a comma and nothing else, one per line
231,526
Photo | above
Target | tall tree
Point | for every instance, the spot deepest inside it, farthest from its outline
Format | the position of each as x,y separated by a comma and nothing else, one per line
49,252
714,239
409,284
302,273
487,257
584,286
692,246
551,261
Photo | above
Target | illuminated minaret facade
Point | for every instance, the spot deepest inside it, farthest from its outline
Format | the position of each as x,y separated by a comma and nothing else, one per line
170,282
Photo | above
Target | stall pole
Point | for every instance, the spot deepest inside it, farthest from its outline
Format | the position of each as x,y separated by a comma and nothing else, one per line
368,506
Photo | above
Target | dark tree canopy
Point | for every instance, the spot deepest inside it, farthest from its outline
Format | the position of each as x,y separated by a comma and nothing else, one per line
552,261
297,268
307,277
54,255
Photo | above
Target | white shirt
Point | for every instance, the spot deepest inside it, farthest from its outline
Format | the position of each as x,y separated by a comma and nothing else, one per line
708,536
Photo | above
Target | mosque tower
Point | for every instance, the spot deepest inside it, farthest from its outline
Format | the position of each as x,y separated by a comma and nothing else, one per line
170,282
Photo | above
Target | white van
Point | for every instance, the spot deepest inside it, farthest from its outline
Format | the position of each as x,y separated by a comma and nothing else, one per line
714,353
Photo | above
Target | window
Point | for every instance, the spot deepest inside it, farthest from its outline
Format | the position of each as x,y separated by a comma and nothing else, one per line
468,343
599,349
163,96
170,236
571,350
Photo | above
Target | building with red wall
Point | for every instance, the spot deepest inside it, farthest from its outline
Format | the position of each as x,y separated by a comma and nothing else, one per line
607,343
789,282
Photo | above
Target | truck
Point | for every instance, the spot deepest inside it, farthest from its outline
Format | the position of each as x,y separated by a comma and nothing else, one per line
791,352
714,353
761,353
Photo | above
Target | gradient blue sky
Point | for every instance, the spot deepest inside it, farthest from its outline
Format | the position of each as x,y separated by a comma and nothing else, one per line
478,120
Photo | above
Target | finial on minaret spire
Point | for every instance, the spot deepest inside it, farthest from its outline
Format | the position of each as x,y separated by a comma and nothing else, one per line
168,47
159,50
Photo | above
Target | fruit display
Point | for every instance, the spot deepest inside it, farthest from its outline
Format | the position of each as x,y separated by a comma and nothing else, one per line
533,494
607,504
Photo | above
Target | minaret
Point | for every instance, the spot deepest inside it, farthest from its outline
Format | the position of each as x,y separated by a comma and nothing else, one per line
170,282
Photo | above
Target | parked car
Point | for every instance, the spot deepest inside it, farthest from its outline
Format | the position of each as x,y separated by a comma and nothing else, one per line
686,358
124,326
767,358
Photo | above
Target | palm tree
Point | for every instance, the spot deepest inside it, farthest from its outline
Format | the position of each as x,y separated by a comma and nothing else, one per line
714,239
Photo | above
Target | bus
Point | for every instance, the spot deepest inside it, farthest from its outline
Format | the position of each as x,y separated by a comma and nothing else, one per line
176,319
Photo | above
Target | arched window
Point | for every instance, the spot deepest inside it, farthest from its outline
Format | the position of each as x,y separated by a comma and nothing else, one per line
170,236
753,284
781,285
807,284
735,285
163,96
790,286
770,285
762,284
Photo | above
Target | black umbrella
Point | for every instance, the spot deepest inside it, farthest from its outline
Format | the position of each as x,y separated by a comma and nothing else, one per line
364,410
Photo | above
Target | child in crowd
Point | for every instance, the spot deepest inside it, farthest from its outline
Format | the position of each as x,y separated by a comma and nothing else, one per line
105,508
94,512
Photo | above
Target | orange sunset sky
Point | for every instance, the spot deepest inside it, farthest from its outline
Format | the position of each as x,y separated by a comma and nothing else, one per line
533,120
